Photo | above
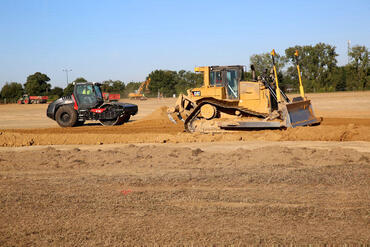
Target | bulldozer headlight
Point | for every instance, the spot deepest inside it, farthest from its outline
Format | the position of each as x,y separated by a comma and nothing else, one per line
196,93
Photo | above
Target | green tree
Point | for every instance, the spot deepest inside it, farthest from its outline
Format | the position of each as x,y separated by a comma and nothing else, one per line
118,86
263,61
169,82
12,91
263,64
359,56
132,87
68,90
317,63
80,79
106,86
342,80
163,81
36,84
111,86
186,80
57,91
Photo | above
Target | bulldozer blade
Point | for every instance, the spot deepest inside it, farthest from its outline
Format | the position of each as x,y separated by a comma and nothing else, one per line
300,113
252,125
180,117
171,118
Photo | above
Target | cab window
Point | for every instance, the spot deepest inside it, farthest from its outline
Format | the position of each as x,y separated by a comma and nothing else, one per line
215,78
98,92
232,84
85,96
84,89
212,78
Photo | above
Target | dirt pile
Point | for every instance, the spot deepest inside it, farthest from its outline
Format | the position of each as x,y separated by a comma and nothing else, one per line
159,114
146,195
156,128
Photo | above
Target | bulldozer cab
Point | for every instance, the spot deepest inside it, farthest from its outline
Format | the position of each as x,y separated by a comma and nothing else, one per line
87,95
227,77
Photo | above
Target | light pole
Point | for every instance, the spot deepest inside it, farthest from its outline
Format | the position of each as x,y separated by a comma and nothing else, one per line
348,50
67,70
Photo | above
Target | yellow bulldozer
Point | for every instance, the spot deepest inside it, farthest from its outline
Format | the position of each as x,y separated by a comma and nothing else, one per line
227,101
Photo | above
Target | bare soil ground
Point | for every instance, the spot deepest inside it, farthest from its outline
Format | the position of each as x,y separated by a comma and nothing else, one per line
355,105
346,118
155,194
298,186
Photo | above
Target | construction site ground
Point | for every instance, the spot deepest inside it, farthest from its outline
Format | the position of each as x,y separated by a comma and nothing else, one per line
149,183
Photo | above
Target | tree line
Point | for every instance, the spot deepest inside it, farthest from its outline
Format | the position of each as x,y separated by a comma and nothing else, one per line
37,84
318,63
319,69
164,82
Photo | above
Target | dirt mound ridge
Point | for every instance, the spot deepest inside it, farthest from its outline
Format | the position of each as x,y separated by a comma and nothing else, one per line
157,128
163,131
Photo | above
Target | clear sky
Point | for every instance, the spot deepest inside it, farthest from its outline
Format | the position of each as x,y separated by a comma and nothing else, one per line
127,39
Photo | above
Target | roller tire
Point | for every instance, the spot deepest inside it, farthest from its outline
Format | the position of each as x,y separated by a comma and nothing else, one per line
117,121
66,116
108,122
126,118
111,122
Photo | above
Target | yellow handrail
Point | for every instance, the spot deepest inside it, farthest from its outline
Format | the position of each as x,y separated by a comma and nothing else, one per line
301,90
278,96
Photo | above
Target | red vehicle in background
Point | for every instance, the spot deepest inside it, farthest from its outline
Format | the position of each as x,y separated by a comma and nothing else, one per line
26,99
110,97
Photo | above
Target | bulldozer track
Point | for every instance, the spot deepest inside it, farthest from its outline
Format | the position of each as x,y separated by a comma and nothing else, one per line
188,124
